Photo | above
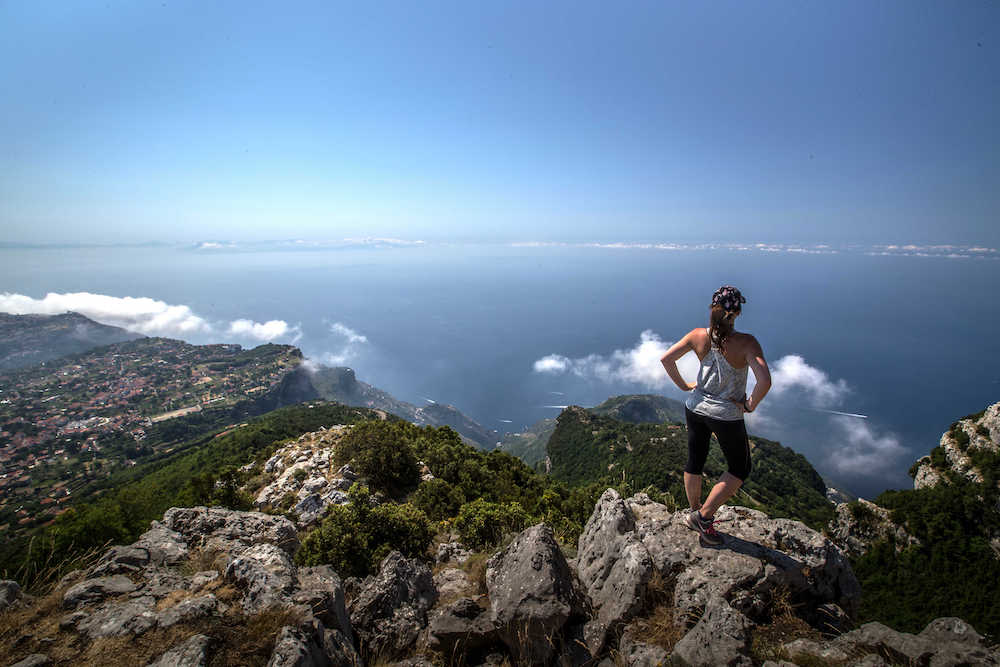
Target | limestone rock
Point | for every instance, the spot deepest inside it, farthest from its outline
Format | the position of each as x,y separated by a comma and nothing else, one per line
190,653
92,590
532,594
945,641
321,591
116,619
164,546
614,567
265,574
451,582
188,610
10,593
858,525
721,637
637,653
121,560
758,556
462,629
228,531
295,648
391,609
452,551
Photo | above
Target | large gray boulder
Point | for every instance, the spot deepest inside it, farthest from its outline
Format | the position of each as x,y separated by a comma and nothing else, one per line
462,630
532,594
163,545
391,609
265,574
721,637
321,591
186,611
613,566
759,556
121,560
193,652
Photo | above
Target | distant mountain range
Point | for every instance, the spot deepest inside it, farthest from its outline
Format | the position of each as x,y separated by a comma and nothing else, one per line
26,340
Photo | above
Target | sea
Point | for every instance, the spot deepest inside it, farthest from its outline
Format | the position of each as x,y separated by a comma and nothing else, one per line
897,337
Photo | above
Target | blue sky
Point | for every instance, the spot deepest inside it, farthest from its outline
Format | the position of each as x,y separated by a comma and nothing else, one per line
575,121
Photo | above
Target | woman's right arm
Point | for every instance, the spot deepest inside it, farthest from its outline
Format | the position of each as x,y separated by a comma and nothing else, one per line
669,361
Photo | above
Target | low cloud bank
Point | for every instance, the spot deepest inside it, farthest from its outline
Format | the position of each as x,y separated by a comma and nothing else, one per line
846,445
144,315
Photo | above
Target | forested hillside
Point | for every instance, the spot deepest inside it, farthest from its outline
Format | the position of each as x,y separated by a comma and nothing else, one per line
587,448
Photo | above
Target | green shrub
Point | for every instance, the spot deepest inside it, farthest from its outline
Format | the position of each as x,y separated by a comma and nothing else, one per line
961,438
982,430
438,499
402,528
381,451
482,524
353,539
938,458
300,475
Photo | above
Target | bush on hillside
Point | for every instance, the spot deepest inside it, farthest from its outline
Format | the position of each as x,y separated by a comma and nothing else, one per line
438,499
353,539
381,452
482,524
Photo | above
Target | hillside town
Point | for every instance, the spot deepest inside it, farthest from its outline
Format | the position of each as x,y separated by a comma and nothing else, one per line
70,421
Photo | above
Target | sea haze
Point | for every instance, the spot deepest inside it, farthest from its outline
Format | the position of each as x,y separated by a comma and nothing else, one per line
503,331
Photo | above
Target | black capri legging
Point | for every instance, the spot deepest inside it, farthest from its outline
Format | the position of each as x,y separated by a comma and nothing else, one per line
732,436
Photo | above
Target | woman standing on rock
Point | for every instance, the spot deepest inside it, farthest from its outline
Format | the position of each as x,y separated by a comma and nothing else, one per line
717,404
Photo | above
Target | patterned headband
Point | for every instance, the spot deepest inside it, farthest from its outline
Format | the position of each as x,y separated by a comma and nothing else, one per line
729,298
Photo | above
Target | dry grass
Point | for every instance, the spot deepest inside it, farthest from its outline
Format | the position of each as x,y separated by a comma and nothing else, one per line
785,626
659,624
475,568
239,640
201,560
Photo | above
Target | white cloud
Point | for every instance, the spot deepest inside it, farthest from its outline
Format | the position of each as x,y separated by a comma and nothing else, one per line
347,332
791,372
144,315
861,451
637,365
139,314
264,331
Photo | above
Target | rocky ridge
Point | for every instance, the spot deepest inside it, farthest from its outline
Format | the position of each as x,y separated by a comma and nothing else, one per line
976,432
202,570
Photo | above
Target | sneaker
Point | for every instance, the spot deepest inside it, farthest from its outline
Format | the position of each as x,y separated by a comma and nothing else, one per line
706,531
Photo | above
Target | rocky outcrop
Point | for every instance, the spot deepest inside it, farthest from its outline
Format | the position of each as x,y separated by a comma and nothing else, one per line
951,457
758,557
614,568
859,524
303,472
944,641
533,594
720,637
391,609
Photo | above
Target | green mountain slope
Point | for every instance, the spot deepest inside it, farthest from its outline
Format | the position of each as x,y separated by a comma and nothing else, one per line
586,448
26,340
529,445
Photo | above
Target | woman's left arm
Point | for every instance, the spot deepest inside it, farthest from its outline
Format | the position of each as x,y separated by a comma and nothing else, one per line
669,361
762,374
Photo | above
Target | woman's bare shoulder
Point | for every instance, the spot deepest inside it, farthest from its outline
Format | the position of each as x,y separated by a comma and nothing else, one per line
745,341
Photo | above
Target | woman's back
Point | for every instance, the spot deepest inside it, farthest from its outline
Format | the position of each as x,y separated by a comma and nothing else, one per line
722,377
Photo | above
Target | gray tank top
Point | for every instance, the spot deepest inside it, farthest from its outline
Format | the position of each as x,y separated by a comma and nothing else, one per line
718,382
